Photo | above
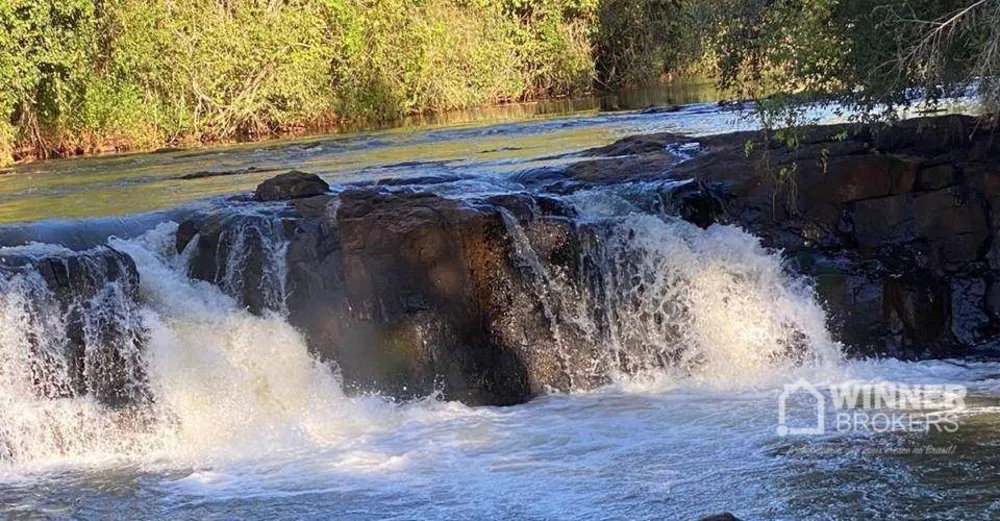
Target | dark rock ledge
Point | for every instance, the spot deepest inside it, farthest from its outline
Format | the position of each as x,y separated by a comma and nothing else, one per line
897,224
410,292
79,318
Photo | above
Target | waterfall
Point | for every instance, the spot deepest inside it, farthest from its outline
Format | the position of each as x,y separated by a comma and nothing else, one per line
663,295
217,376
223,376
711,303
652,295
249,261
253,242
70,335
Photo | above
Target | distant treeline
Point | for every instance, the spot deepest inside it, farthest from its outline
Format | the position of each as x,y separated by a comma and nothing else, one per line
86,75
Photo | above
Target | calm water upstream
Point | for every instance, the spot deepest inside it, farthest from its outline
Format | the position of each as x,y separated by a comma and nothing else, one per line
493,140
246,425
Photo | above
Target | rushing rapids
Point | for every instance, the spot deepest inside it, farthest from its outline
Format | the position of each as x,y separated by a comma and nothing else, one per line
315,352
198,338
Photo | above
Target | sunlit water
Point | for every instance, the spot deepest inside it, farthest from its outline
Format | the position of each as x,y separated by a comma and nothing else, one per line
487,141
246,425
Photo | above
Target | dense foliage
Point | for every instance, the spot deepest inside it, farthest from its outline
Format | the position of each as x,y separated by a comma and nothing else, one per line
637,40
85,75
870,57
82,75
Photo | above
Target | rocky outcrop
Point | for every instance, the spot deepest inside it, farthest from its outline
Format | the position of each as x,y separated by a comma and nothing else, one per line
492,299
898,224
73,318
408,292
397,289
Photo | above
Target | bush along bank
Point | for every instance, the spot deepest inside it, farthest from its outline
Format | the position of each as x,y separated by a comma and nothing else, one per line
79,76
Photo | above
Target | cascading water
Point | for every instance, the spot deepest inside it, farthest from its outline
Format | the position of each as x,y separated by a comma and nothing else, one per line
70,338
250,261
216,380
220,374
218,377
666,297
712,303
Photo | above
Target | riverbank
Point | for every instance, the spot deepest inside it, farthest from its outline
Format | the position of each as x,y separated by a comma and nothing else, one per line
662,96
88,76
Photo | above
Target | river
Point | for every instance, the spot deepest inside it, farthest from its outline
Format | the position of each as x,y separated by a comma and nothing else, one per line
244,423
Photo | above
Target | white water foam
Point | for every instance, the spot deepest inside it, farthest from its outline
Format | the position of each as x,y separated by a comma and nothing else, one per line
676,302
38,371
244,423
226,384
714,302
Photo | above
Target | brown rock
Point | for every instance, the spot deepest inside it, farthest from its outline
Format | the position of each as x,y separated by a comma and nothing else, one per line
954,222
935,177
290,185
919,303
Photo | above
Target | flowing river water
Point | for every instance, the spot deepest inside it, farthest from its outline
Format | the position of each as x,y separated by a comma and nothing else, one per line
243,423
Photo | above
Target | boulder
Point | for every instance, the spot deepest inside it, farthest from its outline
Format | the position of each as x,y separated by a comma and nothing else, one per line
290,185
695,202
408,292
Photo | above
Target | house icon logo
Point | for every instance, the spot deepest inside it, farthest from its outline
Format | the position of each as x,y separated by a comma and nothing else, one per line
804,388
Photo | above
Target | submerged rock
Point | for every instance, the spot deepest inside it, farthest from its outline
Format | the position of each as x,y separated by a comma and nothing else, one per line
203,174
725,516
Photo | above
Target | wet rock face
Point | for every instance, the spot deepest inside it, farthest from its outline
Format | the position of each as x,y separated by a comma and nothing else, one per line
412,293
244,254
696,203
73,318
412,276
290,185
897,224
408,292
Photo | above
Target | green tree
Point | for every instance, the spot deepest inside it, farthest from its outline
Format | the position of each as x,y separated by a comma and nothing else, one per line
869,57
